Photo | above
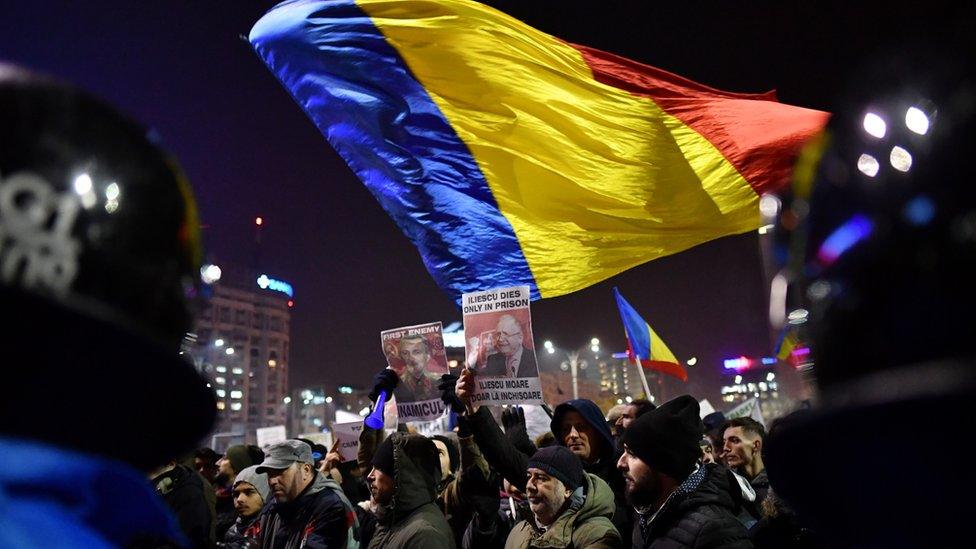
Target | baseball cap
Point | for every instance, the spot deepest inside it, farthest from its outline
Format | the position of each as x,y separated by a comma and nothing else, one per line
283,454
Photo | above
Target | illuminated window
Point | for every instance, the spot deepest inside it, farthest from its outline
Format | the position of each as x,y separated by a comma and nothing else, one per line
236,406
222,369
220,380
221,393
238,371
220,405
236,394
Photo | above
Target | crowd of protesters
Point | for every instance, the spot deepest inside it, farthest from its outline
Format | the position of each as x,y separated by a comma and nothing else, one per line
642,476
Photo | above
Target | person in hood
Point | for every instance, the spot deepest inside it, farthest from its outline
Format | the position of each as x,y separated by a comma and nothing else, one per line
679,502
182,488
403,484
235,459
308,509
570,508
578,425
251,492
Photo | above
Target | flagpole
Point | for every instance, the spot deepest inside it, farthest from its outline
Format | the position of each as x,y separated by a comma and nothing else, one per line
647,389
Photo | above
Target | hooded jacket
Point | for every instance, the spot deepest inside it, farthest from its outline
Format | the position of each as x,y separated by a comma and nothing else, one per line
585,523
412,518
182,488
320,517
700,514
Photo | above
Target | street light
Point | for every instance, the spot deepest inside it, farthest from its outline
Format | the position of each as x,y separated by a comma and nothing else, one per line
573,363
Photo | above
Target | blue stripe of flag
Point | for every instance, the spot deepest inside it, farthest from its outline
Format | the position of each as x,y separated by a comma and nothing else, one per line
363,98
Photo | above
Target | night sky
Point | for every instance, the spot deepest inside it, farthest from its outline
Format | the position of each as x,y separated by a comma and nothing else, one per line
184,70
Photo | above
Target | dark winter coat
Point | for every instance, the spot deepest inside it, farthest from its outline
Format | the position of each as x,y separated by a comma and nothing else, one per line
237,536
183,491
320,517
700,514
760,483
491,534
511,463
226,515
413,519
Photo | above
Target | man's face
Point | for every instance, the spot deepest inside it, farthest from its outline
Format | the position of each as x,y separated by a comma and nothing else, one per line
225,471
546,495
414,353
625,419
579,436
287,484
642,487
381,486
247,500
205,468
444,456
509,335
740,448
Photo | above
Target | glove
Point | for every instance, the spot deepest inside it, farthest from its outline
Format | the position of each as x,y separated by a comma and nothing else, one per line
481,492
446,386
513,420
387,380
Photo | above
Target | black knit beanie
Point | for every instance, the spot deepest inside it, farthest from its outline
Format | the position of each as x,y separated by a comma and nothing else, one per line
559,462
667,438
241,457
383,458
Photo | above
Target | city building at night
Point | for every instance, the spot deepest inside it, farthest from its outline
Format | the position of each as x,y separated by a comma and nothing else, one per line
747,378
240,343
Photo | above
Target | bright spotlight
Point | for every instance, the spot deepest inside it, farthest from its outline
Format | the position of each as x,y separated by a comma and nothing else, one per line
917,121
900,159
875,125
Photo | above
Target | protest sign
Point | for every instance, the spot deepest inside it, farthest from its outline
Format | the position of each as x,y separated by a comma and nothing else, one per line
416,354
347,434
705,407
266,436
438,426
500,349
749,408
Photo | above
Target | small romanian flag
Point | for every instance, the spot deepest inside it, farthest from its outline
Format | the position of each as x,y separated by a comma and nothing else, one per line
510,157
643,345
787,342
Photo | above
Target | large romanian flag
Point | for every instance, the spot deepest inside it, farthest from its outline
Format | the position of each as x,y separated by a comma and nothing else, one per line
511,157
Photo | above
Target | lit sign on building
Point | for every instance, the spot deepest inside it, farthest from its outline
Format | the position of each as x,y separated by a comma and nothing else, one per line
744,363
267,283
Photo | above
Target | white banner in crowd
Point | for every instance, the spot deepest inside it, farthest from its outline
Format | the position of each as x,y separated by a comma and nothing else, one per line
271,435
348,436
416,354
500,348
705,407
749,408
438,426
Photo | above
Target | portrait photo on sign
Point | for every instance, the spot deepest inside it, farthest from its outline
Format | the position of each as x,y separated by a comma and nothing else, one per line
416,354
499,340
